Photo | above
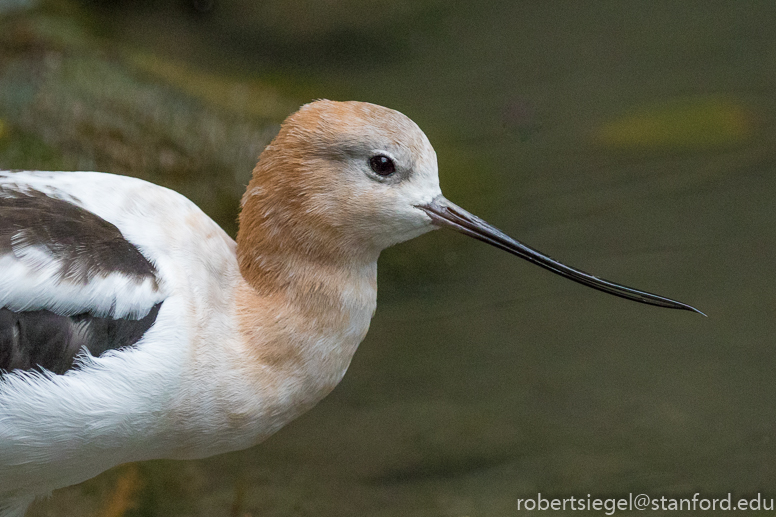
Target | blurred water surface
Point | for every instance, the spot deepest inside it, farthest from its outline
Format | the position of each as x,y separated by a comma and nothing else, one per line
632,140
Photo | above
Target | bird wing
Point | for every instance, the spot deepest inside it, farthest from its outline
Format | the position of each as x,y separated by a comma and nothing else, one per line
69,280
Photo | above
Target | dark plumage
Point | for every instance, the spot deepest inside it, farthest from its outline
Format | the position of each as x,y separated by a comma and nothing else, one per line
36,340
84,244
86,248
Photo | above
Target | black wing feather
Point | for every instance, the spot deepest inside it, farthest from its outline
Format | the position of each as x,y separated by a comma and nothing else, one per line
86,246
36,340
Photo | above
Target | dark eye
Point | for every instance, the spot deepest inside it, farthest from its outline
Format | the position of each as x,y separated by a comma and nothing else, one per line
382,165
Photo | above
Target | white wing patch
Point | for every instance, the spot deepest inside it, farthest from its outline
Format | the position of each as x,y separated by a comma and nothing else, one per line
31,280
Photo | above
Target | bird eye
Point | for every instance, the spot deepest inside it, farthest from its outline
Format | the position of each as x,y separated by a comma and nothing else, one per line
382,165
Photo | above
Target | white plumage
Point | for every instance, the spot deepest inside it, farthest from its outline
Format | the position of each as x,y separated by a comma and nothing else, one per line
56,430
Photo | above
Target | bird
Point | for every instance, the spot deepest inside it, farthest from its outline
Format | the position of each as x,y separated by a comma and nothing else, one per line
132,327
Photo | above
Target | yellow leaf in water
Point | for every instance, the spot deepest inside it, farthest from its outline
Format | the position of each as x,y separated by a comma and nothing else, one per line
694,123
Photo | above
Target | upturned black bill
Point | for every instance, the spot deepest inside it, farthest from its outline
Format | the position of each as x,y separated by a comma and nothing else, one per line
447,214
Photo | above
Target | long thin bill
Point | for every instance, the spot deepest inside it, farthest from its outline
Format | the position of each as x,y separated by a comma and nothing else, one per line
447,214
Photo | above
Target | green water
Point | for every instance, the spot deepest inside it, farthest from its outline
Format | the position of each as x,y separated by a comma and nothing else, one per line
634,141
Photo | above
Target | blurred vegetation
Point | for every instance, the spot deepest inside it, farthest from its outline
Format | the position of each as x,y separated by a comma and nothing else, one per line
70,100
279,33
